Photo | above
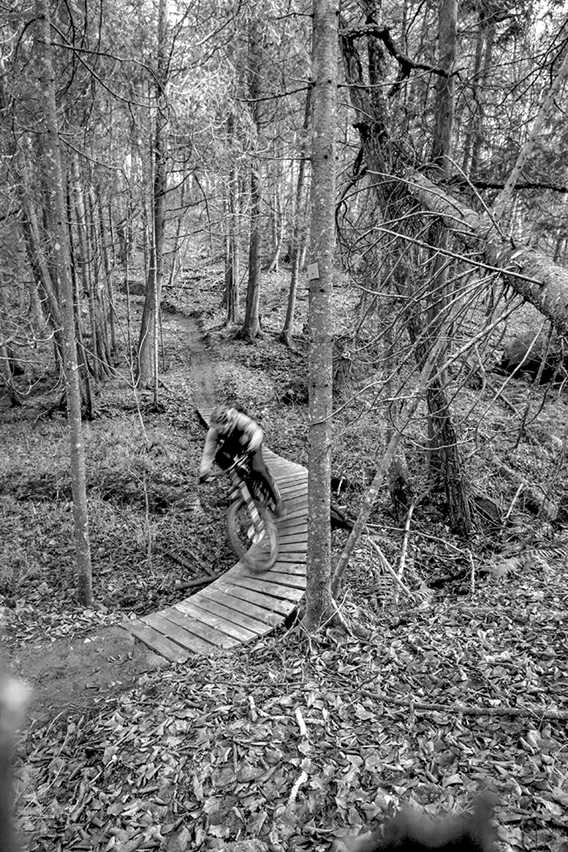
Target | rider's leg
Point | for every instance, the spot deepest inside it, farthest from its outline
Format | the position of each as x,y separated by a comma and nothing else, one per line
259,467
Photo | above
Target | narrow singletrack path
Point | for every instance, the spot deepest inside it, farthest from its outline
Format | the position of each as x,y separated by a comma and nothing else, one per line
238,606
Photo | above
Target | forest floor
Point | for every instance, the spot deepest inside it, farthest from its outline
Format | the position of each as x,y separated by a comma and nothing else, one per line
282,741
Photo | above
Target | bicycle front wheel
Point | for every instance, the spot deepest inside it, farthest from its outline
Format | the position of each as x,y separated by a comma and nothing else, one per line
258,554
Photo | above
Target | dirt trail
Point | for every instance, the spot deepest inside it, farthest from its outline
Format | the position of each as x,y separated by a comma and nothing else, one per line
202,370
71,675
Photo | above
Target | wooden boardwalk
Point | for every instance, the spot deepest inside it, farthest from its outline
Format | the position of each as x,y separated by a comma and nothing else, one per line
239,606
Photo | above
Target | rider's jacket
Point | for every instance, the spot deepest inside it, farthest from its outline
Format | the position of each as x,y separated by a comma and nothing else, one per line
239,434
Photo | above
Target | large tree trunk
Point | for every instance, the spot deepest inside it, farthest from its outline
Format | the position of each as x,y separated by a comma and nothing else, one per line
251,325
446,460
148,341
319,602
51,161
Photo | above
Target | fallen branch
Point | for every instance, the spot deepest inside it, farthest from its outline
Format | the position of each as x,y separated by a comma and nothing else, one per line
386,564
467,709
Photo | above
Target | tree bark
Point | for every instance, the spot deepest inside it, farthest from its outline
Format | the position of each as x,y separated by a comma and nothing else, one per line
147,343
232,271
51,159
299,227
444,113
446,459
251,326
319,602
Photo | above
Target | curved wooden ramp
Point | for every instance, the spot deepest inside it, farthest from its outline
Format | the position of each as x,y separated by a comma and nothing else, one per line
239,606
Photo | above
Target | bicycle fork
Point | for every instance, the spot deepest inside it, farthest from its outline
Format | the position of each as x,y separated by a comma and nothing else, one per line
256,530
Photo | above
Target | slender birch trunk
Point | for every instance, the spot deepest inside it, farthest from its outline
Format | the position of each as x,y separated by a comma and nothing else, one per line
319,602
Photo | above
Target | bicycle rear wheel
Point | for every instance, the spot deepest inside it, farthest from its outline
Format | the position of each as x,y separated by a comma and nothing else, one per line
260,555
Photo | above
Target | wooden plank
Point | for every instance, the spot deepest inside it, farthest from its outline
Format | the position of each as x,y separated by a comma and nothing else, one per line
294,546
272,459
285,530
257,597
294,536
294,489
284,467
287,485
299,499
294,550
248,627
298,558
246,610
286,478
199,628
156,641
296,581
278,590
292,496
294,524
213,619
297,508
298,568
183,636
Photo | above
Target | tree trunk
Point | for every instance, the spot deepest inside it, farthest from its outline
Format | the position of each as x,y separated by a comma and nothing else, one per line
472,127
82,360
51,159
79,251
278,217
319,602
489,38
444,114
147,343
446,461
232,271
299,227
97,282
107,270
251,326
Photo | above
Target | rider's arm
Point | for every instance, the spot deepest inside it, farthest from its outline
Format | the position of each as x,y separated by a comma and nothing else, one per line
209,449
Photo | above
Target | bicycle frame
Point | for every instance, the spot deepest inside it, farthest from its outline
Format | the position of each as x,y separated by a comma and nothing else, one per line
239,488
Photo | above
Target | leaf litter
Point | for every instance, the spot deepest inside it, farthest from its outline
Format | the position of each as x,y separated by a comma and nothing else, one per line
293,746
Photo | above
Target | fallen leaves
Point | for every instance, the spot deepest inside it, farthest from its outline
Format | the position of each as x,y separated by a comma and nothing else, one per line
270,746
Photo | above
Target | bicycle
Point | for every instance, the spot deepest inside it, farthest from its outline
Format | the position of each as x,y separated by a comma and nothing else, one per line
251,528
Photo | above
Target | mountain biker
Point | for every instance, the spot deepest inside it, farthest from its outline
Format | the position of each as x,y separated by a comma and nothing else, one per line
231,434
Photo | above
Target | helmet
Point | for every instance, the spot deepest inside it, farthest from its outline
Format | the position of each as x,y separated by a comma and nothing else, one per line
219,416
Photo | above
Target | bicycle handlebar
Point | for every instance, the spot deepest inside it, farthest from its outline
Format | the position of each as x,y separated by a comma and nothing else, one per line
218,473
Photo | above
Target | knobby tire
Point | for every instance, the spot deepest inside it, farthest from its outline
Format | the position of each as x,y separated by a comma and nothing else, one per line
260,557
